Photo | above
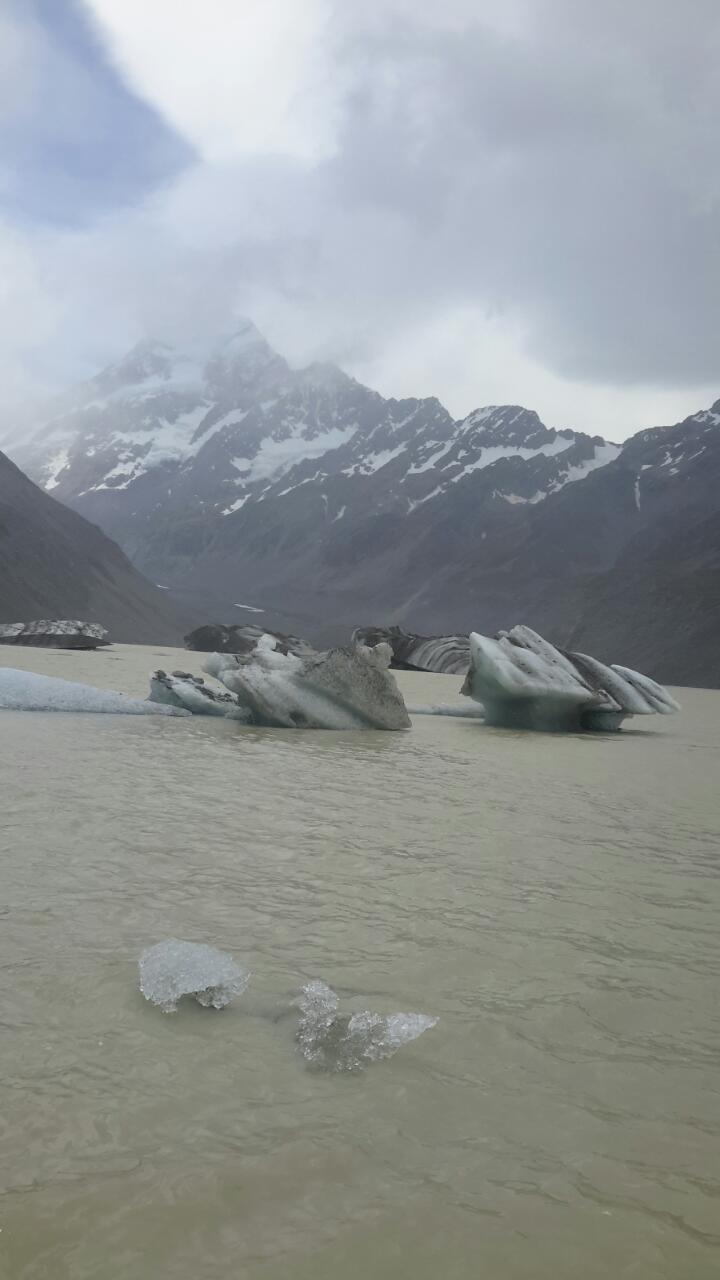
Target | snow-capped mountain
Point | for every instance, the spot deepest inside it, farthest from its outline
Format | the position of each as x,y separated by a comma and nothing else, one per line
240,482
158,436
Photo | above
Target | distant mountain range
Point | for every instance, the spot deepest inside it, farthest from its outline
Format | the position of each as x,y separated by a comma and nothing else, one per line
241,483
54,564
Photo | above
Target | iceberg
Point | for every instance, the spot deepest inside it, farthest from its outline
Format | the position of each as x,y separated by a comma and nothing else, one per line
523,681
27,691
218,637
331,1041
449,655
56,634
173,969
340,689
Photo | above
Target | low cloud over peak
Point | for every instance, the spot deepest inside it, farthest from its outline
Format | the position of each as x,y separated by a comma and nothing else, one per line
521,210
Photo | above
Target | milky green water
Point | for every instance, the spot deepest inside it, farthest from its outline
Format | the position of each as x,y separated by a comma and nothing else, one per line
553,900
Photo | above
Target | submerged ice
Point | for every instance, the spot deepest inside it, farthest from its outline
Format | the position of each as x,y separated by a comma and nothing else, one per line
173,969
27,691
333,1041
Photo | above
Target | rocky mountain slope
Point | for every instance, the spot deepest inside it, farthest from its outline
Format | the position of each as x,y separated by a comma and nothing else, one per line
53,563
240,483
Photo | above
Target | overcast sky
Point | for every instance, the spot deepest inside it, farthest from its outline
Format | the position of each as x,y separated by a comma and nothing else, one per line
486,200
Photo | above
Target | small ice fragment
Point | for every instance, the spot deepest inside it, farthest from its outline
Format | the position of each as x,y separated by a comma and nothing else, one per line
335,1042
173,969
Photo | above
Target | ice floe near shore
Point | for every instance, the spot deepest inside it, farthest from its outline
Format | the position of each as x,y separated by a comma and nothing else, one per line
27,691
332,1041
523,681
173,969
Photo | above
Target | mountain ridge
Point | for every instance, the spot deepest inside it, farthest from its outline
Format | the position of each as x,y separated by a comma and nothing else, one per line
305,493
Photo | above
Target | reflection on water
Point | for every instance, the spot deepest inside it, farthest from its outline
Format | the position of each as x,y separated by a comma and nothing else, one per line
552,900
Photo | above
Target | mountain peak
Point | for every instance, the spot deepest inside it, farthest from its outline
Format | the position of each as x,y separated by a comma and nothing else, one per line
246,338
244,358
507,424
149,358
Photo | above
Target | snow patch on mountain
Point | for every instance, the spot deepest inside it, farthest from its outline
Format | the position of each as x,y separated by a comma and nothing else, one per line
494,453
374,461
603,454
55,466
275,455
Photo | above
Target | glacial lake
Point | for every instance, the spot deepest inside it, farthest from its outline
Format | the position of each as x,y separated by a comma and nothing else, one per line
554,901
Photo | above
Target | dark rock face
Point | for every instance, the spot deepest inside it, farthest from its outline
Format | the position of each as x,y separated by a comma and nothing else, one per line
319,501
216,637
447,654
53,562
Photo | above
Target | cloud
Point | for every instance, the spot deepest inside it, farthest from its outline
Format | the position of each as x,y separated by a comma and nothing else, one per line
235,79
520,201
74,143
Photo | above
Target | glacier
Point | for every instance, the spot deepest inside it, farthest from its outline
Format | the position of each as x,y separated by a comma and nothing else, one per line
523,681
331,1041
26,691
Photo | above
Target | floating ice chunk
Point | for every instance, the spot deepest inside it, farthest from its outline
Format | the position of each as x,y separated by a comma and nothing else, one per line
335,1042
191,693
242,638
27,691
341,689
173,969
56,633
520,687
448,654
523,681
